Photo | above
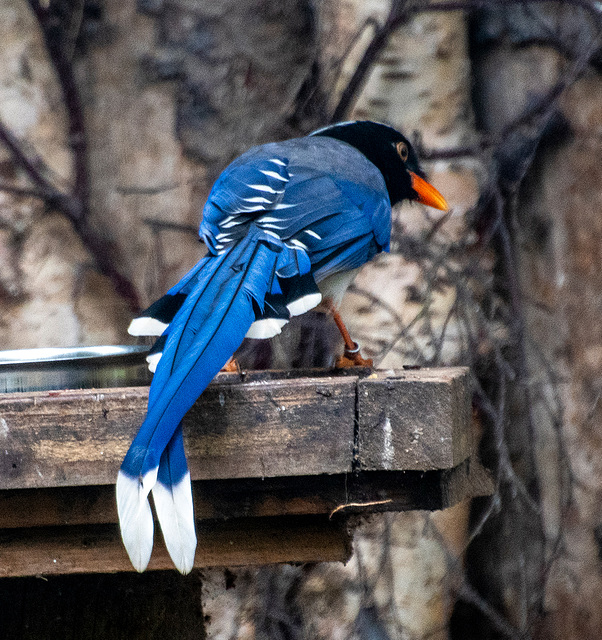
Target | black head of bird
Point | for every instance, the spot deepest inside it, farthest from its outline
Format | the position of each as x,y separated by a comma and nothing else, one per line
394,156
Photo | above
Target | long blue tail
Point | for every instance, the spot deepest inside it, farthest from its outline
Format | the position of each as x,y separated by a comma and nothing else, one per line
208,328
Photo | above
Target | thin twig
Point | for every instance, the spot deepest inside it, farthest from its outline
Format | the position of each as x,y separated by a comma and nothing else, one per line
469,595
24,191
32,169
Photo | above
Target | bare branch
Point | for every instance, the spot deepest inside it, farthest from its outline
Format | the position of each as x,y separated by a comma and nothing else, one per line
469,595
32,169
25,191
166,225
77,132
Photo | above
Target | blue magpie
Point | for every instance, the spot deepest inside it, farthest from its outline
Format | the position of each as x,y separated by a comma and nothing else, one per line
286,225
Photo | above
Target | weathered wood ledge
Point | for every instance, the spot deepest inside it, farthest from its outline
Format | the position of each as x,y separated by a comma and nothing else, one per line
282,465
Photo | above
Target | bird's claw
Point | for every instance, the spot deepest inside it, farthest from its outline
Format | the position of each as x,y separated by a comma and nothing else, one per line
231,366
353,358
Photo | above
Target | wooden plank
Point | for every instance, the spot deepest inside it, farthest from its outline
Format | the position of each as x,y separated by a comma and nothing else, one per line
369,491
255,429
252,429
468,480
414,419
269,429
98,548
67,438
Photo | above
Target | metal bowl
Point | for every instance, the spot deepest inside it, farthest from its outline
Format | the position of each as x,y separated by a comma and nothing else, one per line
73,368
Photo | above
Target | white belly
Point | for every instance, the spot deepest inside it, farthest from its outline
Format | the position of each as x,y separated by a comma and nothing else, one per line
335,286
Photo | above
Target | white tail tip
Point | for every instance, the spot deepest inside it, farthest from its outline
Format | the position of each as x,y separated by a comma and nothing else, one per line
175,512
135,519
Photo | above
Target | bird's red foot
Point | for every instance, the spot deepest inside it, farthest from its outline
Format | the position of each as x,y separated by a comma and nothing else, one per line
353,358
231,366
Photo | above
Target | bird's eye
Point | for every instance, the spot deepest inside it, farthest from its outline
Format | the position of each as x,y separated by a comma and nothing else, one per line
402,150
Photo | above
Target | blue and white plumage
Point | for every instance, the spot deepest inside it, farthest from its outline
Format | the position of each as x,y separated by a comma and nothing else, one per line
283,221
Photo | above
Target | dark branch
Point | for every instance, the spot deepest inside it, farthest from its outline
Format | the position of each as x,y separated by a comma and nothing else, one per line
31,168
70,91
25,191
397,14
166,225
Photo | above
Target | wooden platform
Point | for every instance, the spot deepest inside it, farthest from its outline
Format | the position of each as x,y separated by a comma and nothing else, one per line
282,463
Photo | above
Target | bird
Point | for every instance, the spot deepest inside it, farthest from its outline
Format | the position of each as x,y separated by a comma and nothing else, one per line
287,226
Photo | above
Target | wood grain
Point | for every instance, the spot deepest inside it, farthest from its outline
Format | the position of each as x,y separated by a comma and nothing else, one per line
255,429
414,419
282,465
270,429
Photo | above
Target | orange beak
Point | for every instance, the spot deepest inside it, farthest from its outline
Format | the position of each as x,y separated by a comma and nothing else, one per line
427,194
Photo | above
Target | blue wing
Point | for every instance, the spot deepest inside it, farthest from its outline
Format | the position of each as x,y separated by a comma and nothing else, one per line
317,211
338,222
241,193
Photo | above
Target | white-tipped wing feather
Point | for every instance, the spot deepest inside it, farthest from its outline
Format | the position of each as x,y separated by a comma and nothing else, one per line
301,305
146,326
153,361
265,328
